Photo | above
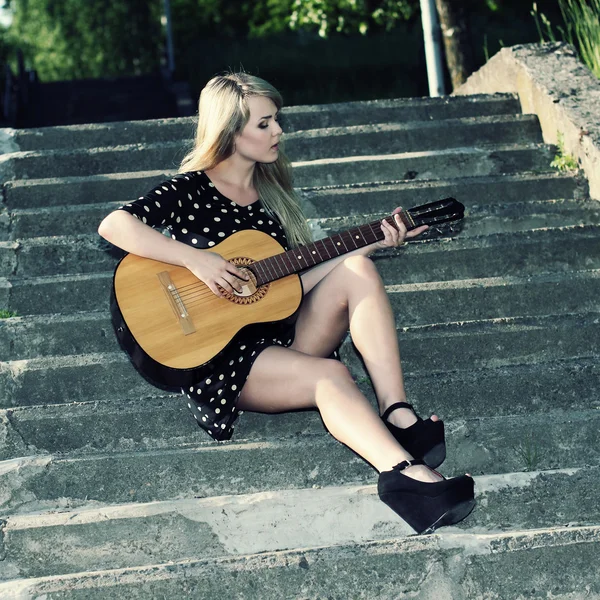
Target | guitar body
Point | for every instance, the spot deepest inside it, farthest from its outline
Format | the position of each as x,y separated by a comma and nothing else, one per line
171,324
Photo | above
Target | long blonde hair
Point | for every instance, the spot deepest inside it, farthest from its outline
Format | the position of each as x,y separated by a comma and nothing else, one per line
222,114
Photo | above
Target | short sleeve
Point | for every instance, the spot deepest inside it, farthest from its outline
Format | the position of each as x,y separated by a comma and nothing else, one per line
159,206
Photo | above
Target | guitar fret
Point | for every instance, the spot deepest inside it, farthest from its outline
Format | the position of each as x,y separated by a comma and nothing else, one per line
254,267
278,264
360,229
310,260
354,237
289,267
267,264
317,250
341,236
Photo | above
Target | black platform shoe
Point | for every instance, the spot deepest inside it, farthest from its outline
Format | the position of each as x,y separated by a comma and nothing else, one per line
423,439
426,506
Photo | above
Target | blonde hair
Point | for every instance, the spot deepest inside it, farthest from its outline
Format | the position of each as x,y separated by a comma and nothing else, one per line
222,114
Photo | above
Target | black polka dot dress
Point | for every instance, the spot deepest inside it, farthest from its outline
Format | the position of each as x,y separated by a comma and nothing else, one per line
194,212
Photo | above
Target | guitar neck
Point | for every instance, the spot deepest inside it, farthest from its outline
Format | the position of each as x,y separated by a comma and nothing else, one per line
303,257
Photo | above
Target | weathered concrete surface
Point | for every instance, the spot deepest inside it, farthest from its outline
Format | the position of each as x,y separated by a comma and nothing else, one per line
483,219
445,566
498,326
123,187
59,379
92,538
554,85
479,446
307,145
145,420
500,260
293,118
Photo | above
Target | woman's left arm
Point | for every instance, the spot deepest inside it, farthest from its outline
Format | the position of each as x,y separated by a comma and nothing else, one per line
393,238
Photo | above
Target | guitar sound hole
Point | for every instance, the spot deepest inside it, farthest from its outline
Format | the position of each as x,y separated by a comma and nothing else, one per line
250,292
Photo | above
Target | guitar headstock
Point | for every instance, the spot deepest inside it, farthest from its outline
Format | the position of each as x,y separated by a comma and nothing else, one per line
433,213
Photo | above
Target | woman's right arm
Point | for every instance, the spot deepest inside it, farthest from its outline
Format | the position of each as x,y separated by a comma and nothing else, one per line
122,229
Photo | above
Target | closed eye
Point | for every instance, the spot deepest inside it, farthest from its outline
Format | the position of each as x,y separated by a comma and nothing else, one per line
266,124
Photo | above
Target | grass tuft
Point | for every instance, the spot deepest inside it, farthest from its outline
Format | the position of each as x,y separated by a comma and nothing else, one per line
581,29
563,161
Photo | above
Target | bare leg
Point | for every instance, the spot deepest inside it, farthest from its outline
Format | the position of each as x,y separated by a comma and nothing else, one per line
280,382
353,296
283,379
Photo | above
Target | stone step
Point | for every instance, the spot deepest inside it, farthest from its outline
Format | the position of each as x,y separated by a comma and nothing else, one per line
474,192
89,253
496,343
416,136
26,338
312,144
480,445
136,416
293,118
441,263
111,537
487,219
123,187
481,219
457,565
433,165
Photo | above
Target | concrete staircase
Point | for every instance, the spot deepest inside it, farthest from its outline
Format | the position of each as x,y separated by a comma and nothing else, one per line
108,489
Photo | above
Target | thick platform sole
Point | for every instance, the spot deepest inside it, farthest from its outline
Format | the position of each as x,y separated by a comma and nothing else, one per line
453,516
424,512
436,456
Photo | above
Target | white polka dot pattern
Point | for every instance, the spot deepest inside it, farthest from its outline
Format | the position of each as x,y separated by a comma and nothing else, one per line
214,395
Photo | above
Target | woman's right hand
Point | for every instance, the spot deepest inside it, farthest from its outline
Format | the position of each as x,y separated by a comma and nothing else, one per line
215,271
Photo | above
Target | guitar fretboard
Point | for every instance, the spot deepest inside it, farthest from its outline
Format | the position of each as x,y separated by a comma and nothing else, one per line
304,257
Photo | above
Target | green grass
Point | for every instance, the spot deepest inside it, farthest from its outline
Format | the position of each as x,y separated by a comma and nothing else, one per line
581,29
563,161
529,452
6,314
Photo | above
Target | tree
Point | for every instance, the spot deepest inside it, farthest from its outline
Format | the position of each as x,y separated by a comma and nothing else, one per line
457,43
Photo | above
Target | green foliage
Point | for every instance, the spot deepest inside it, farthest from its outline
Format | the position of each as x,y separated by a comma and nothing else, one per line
72,39
6,314
563,161
582,29
349,16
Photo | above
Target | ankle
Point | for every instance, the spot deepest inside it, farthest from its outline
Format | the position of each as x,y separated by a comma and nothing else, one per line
400,417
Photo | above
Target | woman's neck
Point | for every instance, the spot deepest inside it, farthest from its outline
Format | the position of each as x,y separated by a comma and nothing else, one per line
231,173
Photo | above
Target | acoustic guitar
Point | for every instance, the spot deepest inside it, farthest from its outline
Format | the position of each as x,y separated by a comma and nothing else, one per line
172,325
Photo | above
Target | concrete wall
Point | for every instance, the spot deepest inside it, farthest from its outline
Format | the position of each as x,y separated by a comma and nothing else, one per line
552,83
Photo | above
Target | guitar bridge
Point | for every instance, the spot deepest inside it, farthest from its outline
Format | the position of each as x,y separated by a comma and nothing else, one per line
176,303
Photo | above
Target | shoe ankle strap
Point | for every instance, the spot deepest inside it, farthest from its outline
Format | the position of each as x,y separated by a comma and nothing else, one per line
408,463
393,407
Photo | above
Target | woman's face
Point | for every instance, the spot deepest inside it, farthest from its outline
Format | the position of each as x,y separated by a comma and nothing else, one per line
261,132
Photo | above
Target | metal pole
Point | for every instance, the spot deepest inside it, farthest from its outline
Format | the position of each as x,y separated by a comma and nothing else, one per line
433,48
170,52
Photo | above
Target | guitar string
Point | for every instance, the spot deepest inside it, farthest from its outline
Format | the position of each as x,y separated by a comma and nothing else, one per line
189,291
192,296
190,287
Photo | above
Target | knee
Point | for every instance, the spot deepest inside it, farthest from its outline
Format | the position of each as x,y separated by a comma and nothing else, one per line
332,370
363,267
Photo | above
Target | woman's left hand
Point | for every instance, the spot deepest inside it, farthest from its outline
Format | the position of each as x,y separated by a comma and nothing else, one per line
395,237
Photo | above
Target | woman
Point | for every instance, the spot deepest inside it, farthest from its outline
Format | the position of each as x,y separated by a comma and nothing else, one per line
237,177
